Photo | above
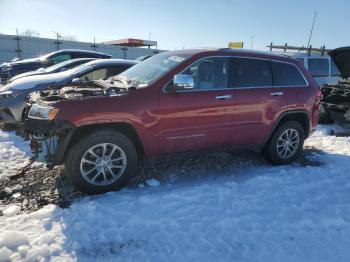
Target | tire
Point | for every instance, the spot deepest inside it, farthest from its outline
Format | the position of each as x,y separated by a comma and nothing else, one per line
91,156
274,149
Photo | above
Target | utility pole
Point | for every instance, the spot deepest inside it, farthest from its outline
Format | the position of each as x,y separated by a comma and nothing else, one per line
312,29
252,41
57,42
18,50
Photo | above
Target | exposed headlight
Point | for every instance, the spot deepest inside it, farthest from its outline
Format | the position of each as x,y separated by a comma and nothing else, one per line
6,68
9,93
42,112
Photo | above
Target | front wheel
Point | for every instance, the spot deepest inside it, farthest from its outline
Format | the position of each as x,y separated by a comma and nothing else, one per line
286,143
102,161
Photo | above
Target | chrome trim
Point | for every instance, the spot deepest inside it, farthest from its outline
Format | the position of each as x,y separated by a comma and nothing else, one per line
307,84
224,97
276,93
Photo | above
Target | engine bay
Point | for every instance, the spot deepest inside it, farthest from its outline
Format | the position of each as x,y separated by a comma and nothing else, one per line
76,91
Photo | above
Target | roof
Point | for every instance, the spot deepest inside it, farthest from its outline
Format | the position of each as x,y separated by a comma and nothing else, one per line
112,62
240,52
302,54
77,51
132,42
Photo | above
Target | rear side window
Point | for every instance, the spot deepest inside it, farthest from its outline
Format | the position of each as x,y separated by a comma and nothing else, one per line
334,69
246,72
286,75
318,66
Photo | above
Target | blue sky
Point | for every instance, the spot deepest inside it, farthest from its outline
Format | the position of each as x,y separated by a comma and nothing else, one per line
181,24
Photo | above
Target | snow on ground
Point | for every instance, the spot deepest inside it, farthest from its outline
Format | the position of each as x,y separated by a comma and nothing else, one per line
248,213
14,154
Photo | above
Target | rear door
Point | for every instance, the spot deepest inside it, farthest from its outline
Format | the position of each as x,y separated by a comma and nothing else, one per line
201,117
256,101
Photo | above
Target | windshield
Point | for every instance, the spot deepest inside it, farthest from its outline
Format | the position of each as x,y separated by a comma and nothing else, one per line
148,71
57,66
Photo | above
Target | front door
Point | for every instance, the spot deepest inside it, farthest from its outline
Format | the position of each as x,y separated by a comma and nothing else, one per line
200,117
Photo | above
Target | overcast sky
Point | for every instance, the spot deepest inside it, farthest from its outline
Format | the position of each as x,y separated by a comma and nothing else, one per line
178,24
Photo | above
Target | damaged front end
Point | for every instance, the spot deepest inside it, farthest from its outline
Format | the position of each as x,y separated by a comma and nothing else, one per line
50,136
48,139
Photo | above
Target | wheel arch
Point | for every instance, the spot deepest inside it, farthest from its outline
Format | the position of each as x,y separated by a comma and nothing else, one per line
82,131
300,116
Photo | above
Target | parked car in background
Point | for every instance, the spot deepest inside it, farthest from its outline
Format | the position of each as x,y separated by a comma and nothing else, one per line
179,101
13,96
335,104
321,67
10,69
60,67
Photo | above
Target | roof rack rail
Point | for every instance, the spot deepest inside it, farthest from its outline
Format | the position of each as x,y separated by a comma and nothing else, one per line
309,49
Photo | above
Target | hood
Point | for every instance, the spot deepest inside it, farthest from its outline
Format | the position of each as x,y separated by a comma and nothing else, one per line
29,82
31,73
341,57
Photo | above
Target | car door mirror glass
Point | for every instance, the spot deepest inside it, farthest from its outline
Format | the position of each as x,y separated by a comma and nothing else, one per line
183,82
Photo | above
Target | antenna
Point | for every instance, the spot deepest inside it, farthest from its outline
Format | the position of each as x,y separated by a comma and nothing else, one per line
312,29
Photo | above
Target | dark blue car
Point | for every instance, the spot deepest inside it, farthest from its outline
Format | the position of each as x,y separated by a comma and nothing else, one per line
10,69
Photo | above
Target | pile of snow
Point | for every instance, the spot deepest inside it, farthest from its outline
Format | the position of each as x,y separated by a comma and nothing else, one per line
251,213
14,154
11,210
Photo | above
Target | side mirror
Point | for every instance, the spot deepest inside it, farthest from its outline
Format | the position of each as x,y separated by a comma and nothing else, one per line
77,81
182,82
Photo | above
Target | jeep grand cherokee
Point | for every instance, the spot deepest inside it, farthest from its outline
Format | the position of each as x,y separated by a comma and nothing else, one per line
176,101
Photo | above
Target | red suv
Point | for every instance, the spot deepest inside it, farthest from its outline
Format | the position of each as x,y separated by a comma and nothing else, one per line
176,101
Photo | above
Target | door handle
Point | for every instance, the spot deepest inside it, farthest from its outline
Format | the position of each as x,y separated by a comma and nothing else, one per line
276,93
224,97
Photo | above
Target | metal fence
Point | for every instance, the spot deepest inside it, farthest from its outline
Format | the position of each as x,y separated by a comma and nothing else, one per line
12,46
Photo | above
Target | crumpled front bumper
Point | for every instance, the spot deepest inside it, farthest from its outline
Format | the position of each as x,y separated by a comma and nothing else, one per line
48,139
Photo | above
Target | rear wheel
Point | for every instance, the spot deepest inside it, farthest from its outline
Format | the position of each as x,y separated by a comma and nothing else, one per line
286,143
102,161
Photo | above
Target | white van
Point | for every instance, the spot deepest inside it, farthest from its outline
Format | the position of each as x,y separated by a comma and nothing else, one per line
321,67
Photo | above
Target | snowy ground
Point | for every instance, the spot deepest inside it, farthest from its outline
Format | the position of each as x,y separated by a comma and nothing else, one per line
247,211
14,154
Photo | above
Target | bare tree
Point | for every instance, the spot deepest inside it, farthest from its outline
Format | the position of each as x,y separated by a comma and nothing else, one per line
69,37
29,32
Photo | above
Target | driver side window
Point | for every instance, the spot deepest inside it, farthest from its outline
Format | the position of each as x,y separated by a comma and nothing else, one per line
95,75
209,73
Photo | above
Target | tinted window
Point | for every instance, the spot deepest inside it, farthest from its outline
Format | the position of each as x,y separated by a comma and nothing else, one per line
60,58
210,73
318,66
334,69
286,75
246,72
